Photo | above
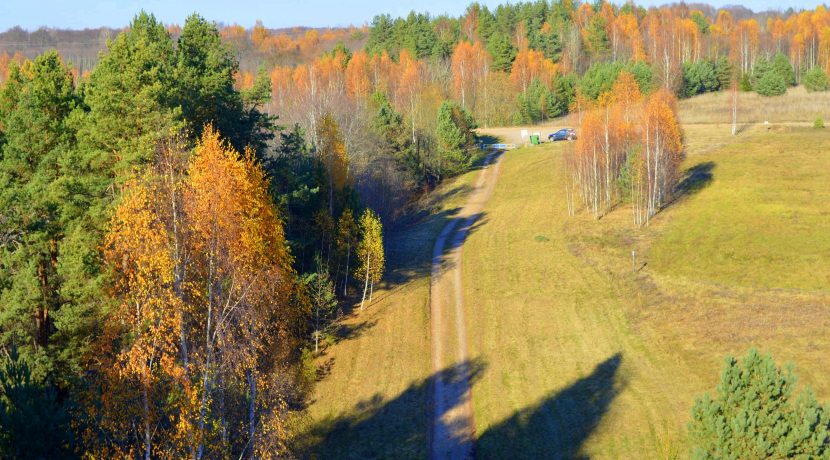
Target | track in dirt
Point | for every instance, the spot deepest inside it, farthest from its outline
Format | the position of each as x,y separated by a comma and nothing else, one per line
453,426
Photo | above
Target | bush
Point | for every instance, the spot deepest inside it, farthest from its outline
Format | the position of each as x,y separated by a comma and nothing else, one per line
815,80
771,84
819,123
755,415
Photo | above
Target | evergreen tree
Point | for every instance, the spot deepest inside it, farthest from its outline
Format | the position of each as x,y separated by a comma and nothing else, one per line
771,84
127,114
33,423
723,72
204,76
698,78
755,414
597,37
395,137
503,52
380,34
564,94
456,139
815,79
762,67
34,212
781,65
535,104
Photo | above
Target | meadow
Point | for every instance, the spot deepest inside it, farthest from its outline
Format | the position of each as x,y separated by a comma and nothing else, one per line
580,347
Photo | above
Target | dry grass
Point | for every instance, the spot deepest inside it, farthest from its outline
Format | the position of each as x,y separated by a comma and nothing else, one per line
742,263
796,106
371,399
578,352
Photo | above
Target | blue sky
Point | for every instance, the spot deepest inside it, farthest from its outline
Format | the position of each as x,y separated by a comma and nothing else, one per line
31,14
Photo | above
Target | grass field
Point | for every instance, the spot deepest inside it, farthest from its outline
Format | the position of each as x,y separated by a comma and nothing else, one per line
370,401
578,350
585,356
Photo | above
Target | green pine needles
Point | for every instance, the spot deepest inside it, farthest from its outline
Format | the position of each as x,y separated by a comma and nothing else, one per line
756,414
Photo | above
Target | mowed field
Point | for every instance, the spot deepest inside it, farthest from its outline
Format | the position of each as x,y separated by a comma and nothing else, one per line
374,381
590,353
582,350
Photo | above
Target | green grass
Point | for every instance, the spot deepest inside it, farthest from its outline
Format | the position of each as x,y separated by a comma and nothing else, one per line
580,352
764,222
371,399
565,374
587,357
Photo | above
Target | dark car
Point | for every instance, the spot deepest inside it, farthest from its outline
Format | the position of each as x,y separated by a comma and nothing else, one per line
564,134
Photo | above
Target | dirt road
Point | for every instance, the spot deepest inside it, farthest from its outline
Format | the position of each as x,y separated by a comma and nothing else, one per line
453,426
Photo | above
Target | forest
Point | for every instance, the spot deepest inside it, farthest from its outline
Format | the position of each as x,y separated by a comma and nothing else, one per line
184,215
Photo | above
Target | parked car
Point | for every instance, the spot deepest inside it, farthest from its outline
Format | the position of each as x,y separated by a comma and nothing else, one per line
564,134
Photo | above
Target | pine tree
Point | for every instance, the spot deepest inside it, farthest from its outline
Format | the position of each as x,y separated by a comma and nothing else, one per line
781,65
755,414
456,139
502,50
35,212
815,79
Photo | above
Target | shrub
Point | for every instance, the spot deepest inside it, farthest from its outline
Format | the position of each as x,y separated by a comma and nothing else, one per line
755,415
815,79
819,123
771,84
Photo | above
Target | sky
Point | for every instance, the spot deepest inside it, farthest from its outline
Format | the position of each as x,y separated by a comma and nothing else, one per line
79,14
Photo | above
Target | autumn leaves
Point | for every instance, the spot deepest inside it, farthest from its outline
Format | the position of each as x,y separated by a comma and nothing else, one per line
629,147
205,297
202,281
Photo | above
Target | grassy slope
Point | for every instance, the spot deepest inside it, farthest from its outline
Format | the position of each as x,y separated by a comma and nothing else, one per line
584,357
371,400
578,354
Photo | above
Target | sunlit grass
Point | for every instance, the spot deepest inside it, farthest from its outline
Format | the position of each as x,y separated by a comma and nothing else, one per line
376,379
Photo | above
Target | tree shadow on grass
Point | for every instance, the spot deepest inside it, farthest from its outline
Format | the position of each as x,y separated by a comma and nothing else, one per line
379,428
555,428
559,425
694,180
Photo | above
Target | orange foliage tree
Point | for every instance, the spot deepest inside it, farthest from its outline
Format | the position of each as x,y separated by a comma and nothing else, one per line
202,278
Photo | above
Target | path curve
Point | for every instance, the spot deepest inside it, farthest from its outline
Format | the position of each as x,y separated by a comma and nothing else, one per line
453,425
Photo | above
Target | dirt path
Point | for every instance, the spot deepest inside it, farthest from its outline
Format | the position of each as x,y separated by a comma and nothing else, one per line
453,427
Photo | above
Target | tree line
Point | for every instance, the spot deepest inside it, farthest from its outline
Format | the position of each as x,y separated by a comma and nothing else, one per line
169,255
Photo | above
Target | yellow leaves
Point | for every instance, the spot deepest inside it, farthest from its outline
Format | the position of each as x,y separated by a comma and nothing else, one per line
198,257
470,64
358,84
370,249
529,65
332,151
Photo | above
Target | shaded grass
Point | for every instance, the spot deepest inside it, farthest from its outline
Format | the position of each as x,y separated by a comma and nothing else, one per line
371,401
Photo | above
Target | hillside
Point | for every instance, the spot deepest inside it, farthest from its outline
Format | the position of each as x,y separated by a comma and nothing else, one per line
577,353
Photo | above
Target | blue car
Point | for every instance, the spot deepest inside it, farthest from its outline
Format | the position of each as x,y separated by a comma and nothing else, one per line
564,134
